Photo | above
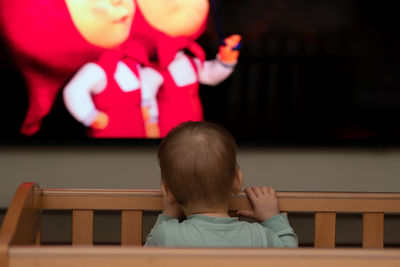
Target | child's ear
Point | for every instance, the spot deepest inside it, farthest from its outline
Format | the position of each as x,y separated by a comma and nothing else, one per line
237,182
169,197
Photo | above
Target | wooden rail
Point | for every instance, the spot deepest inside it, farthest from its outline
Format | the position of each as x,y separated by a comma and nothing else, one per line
109,199
173,257
21,225
324,205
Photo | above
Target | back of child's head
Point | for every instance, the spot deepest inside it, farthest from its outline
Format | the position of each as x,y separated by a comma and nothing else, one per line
198,163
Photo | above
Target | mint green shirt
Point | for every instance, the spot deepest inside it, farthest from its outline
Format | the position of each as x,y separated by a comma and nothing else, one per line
205,231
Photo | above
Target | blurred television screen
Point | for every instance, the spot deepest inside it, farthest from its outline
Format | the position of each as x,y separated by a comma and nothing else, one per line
310,72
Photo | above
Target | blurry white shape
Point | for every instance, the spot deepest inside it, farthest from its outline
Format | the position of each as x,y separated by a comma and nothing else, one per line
125,78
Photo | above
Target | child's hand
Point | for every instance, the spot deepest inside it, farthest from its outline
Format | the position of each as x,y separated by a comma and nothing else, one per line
172,209
100,122
264,202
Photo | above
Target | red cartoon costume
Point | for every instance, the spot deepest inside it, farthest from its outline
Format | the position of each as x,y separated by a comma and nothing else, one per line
115,87
165,29
114,96
47,47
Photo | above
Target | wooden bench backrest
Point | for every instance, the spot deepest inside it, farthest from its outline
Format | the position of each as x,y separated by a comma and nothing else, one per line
99,256
132,204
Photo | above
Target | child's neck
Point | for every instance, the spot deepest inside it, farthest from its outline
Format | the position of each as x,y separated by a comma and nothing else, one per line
216,211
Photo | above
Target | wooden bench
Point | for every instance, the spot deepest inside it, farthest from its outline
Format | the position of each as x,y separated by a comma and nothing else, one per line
20,233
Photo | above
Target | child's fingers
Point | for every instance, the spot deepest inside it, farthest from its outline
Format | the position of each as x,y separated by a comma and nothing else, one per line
272,191
250,193
257,191
265,189
268,190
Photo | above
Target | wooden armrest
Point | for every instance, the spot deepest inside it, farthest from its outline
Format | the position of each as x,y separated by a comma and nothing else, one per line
22,219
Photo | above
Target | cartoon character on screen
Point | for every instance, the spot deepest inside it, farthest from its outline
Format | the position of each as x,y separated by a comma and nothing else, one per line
51,39
165,30
115,97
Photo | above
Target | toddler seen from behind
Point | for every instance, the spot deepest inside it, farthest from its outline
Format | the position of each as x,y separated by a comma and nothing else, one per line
199,174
